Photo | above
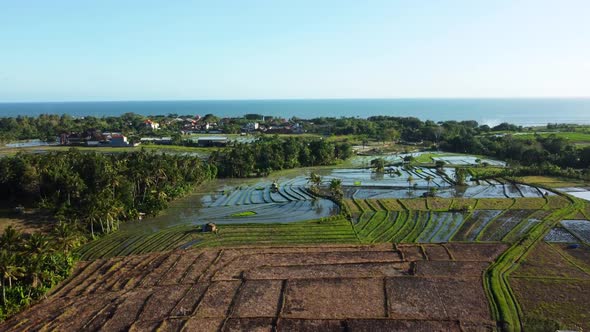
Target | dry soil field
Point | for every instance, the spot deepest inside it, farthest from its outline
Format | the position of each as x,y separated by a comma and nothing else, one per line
320,288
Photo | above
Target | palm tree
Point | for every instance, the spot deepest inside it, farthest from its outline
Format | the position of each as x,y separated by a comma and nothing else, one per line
365,142
428,179
336,189
9,270
38,247
10,239
410,181
378,164
37,244
65,237
74,186
460,175
315,180
93,215
34,270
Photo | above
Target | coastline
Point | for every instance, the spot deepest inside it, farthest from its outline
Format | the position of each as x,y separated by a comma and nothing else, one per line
490,111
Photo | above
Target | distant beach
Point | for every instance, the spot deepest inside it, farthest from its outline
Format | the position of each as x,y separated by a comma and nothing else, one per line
526,112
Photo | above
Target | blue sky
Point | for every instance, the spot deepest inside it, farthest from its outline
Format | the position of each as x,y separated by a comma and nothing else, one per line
62,50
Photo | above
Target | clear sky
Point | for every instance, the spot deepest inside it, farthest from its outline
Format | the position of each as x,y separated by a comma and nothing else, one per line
59,50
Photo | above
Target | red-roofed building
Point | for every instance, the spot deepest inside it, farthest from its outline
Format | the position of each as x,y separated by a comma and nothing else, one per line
151,124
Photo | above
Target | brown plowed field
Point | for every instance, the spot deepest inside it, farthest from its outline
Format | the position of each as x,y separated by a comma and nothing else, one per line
320,288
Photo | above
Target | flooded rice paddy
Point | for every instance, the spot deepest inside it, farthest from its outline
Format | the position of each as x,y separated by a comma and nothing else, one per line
398,182
571,231
235,201
232,201
447,158
583,193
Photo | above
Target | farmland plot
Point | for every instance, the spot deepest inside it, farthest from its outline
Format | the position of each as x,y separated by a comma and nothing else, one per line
364,219
466,160
390,179
370,222
560,301
579,255
269,213
526,225
494,203
273,288
386,220
552,285
529,203
401,218
560,235
546,261
474,224
481,225
408,225
580,228
485,191
383,222
529,191
437,221
381,193
367,184
134,241
453,221
420,223
500,226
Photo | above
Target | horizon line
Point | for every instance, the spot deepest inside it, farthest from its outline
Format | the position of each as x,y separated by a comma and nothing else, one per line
283,99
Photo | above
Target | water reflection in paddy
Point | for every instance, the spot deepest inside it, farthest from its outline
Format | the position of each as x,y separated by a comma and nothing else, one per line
233,201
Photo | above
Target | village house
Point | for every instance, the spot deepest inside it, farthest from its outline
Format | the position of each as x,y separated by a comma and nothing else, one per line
251,126
151,124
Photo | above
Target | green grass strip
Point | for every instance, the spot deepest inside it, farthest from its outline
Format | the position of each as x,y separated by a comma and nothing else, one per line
398,224
419,225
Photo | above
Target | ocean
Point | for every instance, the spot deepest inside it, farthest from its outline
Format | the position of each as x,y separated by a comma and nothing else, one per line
526,112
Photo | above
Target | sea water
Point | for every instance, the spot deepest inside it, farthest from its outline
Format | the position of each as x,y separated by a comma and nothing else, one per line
525,111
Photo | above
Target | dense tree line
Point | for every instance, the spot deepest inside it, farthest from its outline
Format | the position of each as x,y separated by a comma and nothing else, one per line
98,190
47,127
388,128
269,154
538,151
462,136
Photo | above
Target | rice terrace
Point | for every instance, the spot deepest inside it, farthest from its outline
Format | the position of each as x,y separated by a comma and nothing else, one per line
489,255
314,166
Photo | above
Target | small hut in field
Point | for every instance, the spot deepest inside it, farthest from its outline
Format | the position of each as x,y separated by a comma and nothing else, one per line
210,227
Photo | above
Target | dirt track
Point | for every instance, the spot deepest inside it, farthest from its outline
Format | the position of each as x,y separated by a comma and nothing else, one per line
321,288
